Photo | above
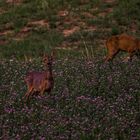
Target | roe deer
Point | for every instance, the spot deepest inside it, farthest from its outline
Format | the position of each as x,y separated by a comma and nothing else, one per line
122,42
39,82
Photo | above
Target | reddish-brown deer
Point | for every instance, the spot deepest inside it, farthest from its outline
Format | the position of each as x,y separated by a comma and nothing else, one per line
122,42
40,82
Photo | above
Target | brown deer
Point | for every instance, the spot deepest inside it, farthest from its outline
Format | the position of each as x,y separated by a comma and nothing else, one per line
122,42
39,82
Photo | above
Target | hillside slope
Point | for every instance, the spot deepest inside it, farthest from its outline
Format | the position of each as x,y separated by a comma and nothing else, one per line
28,28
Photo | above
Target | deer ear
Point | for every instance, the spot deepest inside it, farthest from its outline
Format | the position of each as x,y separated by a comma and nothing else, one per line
53,53
45,56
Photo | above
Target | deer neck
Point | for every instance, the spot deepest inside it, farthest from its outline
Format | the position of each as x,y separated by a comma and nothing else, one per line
49,69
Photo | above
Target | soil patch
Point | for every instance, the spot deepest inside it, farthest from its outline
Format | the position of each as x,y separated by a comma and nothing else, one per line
6,32
14,1
41,23
109,1
63,13
105,12
23,33
68,32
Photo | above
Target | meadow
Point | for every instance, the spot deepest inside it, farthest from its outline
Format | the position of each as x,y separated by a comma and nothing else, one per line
91,100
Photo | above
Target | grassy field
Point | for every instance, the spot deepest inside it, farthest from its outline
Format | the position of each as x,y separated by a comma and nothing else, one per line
91,100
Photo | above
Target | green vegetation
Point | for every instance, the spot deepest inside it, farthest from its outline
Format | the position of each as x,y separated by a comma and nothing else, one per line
106,18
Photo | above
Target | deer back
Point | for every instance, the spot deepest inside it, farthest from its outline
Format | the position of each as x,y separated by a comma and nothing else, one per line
123,42
39,80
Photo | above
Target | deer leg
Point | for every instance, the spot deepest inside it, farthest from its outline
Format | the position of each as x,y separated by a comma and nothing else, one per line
111,54
129,58
28,93
43,88
25,94
107,58
32,93
42,92
131,54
